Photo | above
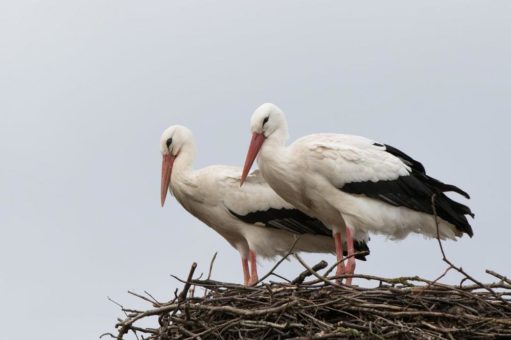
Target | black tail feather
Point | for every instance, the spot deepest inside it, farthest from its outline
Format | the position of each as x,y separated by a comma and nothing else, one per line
450,207
447,187
454,213
415,191
417,167
360,246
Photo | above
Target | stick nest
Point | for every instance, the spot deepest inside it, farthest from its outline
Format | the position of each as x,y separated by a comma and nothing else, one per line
320,308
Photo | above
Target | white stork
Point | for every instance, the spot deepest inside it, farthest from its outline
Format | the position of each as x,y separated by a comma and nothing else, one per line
352,183
253,219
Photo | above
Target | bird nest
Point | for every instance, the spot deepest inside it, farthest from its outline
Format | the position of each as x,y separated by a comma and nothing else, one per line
316,306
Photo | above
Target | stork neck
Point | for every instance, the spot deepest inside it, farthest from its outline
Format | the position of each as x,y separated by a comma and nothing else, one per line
183,165
277,140
280,135
273,148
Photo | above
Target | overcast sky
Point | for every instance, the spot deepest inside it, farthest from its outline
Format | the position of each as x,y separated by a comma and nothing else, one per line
87,87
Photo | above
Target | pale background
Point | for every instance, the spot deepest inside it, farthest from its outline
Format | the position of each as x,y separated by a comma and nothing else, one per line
87,87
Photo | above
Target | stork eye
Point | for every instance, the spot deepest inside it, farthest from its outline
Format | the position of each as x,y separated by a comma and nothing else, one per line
169,141
266,120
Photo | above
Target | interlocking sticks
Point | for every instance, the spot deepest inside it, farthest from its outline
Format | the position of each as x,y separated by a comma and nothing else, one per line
411,306
320,307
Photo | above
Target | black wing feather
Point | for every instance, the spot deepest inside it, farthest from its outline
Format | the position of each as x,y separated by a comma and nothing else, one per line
415,192
412,163
417,167
294,221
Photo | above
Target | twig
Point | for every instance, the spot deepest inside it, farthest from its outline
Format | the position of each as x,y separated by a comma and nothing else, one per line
313,272
182,295
279,261
211,265
459,269
142,297
155,302
497,275
306,273
344,259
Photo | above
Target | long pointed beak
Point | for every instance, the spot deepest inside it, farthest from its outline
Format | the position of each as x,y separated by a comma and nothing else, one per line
253,150
166,171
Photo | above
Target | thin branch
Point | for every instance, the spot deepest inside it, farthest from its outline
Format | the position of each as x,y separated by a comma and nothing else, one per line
319,277
343,260
459,269
279,262
305,274
211,265
497,275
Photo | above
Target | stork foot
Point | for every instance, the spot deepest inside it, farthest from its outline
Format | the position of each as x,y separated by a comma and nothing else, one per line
341,269
253,280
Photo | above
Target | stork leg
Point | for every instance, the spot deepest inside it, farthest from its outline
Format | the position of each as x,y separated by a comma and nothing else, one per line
246,274
253,266
350,266
339,253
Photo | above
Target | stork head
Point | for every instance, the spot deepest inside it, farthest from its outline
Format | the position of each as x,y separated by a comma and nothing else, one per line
268,121
174,141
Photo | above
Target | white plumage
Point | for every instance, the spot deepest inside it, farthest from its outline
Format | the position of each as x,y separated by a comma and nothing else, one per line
351,181
326,162
213,195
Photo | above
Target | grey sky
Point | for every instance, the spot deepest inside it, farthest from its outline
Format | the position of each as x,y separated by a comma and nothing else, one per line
87,87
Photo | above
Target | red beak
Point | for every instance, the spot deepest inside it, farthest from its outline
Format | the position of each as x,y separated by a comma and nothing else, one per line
253,150
166,171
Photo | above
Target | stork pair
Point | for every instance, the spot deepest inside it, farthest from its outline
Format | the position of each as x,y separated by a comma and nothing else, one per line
331,190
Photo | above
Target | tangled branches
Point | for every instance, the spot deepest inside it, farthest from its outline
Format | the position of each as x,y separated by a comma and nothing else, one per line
318,308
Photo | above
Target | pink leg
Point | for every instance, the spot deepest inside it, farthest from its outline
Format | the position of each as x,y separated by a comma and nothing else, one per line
246,274
338,251
350,266
253,264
